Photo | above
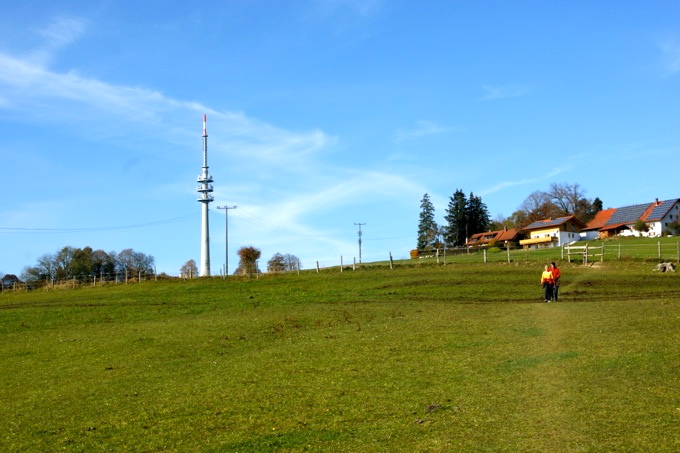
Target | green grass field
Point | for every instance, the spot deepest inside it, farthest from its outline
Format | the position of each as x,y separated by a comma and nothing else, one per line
462,357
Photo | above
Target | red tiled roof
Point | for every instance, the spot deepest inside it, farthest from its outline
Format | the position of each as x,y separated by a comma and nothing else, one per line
600,219
498,235
508,235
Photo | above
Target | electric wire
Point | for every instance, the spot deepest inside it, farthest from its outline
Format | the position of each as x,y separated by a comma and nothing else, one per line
20,230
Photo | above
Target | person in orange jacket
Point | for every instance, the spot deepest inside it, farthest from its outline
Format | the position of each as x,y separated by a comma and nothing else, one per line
556,274
547,283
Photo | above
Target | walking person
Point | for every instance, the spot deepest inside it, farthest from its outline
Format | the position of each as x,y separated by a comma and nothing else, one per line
547,283
556,274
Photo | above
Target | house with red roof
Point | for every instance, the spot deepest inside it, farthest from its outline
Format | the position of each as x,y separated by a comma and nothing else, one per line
499,236
621,221
553,232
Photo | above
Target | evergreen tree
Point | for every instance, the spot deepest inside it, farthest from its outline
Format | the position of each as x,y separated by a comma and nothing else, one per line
477,216
428,231
456,218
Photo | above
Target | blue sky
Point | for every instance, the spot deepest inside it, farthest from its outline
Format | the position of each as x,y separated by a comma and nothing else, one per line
321,114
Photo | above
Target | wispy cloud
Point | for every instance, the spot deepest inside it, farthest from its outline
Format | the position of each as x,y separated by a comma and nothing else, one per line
422,129
361,8
670,49
522,182
27,84
500,92
61,32
269,159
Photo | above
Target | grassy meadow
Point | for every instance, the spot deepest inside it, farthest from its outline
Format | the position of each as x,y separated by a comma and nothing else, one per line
462,357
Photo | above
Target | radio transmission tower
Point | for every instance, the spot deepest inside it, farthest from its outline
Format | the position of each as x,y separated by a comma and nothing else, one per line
359,233
205,189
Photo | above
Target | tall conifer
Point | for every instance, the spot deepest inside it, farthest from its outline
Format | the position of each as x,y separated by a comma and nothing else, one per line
428,231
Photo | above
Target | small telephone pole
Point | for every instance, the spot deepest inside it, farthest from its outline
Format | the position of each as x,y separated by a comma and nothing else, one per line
359,233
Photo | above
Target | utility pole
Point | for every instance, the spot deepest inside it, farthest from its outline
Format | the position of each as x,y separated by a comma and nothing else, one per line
359,224
226,237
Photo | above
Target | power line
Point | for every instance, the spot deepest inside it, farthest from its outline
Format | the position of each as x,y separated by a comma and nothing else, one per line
93,229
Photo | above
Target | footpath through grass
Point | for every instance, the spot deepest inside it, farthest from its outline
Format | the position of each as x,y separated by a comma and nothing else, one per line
449,358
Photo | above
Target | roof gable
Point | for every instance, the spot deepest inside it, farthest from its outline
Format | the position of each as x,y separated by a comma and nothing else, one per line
660,209
601,218
548,223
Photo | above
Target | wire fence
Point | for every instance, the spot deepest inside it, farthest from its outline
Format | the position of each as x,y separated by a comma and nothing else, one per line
663,251
588,253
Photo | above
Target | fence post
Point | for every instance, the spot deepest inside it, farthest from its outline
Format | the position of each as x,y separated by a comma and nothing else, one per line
437,255
340,263
585,256
484,255
659,247
392,262
507,248
619,250
354,264
602,256
317,267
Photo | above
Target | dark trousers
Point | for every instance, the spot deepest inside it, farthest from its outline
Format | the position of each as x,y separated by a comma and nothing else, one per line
556,289
548,291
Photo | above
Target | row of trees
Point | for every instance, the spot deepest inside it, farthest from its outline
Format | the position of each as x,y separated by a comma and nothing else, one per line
84,264
560,200
248,258
466,216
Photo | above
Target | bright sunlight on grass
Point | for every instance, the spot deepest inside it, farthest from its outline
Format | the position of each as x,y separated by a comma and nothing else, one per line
423,358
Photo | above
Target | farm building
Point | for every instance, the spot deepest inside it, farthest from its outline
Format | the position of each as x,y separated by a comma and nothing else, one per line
490,237
553,232
656,215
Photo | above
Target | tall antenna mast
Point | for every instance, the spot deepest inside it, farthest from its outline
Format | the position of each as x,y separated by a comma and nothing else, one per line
359,233
205,189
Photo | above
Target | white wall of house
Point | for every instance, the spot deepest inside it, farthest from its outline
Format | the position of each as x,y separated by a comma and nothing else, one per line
672,216
589,235
559,237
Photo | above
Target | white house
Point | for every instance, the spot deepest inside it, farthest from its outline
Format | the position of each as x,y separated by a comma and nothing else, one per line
553,232
657,216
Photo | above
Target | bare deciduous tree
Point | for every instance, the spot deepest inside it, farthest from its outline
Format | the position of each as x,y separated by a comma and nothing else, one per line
188,269
248,260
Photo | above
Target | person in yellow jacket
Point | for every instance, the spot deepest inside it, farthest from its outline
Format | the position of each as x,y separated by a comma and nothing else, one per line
556,273
547,283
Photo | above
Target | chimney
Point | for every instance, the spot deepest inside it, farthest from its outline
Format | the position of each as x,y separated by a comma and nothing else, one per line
657,202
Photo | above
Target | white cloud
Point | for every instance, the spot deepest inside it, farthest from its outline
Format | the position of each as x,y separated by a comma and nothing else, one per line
422,129
522,182
61,32
670,49
361,8
26,85
501,92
